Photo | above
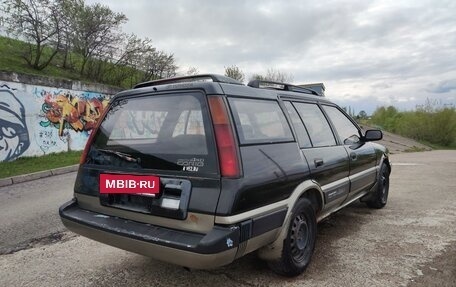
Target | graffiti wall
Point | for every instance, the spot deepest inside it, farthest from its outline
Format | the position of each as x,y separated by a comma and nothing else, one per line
37,120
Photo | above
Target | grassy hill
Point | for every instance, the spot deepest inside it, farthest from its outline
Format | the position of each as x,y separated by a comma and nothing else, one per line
12,52
431,125
11,60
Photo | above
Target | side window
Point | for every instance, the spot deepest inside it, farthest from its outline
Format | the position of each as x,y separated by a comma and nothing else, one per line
347,131
301,133
318,127
260,121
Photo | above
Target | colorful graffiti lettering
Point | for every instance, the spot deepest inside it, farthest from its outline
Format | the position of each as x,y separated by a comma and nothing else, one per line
14,137
65,110
37,120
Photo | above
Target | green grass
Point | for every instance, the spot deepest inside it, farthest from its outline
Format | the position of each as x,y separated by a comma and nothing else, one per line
11,60
26,165
11,51
415,149
431,123
437,147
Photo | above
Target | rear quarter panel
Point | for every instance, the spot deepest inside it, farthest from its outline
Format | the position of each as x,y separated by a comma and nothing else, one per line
270,173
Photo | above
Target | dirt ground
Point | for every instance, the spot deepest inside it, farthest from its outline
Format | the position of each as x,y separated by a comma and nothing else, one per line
440,272
398,144
410,242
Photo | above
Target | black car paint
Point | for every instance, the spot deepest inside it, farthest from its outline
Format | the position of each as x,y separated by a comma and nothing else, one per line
270,171
269,174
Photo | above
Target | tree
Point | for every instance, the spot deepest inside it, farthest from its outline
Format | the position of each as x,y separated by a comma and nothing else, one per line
235,73
192,71
158,65
38,21
427,123
128,60
351,111
387,118
67,10
257,77
278,76
274,75
96,32
362,115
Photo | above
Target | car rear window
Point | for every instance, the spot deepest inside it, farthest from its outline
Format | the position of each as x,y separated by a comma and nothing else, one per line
260,121
162,132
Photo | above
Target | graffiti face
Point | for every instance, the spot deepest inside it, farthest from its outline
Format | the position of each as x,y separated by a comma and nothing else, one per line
68,111
14,138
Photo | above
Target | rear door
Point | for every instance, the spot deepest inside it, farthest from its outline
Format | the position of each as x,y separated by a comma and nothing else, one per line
328,162
167,136
271,160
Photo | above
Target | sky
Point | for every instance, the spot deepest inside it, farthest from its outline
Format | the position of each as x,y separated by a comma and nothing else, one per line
367,53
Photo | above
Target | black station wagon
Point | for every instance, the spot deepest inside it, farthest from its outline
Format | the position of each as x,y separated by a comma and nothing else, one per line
200,170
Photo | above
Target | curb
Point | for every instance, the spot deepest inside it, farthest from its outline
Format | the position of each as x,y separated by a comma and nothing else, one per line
37,175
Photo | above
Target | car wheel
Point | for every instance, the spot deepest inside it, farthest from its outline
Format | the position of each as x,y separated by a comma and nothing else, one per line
299,244
380,197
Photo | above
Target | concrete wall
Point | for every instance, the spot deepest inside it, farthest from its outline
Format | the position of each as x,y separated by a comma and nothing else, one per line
41,115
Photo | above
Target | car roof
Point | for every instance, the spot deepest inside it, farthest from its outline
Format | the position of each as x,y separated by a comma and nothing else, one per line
222,85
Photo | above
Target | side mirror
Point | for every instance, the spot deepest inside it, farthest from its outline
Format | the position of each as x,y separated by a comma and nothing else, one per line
373,135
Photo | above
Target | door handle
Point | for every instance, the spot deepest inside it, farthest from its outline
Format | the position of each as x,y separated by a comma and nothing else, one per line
318,162
353,156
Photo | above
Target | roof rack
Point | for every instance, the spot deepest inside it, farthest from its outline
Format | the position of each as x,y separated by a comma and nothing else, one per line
265,84
195,78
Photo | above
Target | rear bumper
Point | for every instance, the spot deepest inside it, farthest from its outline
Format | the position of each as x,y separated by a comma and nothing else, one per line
216,248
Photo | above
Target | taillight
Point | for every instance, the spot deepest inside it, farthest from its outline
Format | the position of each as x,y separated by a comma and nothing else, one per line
92,136
226,144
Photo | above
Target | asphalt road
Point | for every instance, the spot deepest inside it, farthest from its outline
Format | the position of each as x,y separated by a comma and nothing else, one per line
28,211
411,242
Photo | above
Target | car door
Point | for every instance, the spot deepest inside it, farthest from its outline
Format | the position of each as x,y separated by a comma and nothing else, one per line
361,154
328,162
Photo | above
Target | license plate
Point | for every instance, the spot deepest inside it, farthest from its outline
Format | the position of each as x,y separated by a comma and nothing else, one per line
129,184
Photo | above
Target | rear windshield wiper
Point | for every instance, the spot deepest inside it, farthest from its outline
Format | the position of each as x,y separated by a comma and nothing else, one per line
121,155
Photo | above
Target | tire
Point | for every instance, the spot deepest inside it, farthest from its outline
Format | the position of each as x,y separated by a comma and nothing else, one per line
299,244
380,197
